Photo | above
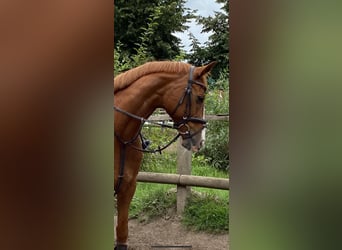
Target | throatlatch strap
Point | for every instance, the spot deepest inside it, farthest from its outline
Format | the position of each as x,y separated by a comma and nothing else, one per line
122,167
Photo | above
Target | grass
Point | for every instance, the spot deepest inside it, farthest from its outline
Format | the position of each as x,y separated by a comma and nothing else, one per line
151,201
206,213
206,210
159,163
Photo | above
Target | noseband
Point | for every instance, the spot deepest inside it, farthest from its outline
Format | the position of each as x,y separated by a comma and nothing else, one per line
179,125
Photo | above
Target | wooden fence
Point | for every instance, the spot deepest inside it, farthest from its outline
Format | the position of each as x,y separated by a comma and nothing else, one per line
183,179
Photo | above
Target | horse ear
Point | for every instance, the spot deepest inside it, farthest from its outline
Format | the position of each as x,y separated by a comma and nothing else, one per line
205,69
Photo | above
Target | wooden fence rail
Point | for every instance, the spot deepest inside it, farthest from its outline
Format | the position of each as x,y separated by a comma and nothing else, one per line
184,180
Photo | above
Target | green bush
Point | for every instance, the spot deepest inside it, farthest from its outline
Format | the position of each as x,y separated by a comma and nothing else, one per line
221,83
217,133
217,100
216,145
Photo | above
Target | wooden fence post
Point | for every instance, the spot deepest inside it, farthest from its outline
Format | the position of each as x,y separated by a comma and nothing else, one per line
183,167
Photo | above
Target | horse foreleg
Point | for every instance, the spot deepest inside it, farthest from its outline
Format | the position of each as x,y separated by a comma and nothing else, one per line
124,199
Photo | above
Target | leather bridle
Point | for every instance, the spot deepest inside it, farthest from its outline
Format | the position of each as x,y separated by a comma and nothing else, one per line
187,112
180,125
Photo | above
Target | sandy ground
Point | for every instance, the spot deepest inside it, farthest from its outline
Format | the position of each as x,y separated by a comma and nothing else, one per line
163,233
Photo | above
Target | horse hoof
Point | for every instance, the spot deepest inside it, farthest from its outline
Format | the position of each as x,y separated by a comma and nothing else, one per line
120,247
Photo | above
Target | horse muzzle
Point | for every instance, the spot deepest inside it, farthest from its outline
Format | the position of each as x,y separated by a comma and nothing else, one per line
193,142
191,138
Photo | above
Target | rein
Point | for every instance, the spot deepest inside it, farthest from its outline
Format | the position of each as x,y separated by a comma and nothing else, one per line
176,125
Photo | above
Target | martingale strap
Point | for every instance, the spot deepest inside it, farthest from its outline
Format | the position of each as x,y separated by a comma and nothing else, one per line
122,167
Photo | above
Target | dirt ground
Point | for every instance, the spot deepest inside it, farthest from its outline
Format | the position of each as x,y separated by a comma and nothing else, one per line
163,233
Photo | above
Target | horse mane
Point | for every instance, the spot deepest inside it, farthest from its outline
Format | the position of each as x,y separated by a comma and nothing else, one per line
125,79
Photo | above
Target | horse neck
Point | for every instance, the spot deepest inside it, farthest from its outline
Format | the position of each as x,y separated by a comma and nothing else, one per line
142,97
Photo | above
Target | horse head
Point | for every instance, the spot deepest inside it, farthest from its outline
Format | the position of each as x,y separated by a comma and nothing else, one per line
188,112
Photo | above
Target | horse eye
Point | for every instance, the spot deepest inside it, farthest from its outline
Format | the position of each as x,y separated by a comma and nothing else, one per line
200,99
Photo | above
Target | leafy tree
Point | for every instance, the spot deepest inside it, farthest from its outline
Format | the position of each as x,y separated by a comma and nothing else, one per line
151,23
198,54
216,49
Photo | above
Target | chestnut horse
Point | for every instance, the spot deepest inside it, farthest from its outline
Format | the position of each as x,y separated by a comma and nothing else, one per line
177,87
